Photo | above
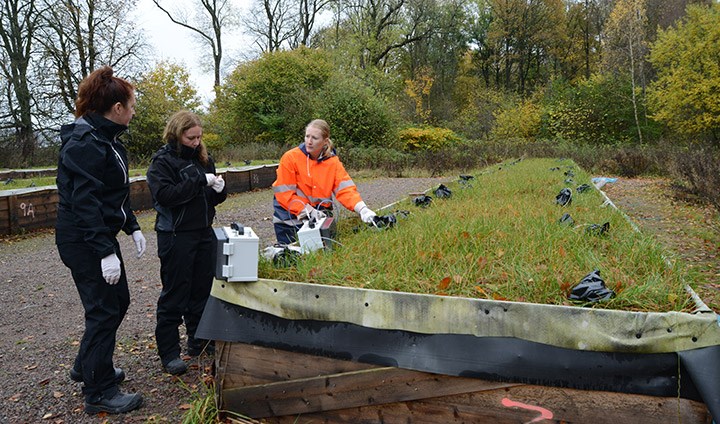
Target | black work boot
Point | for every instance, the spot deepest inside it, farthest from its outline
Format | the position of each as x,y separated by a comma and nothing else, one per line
77,375
119,403
175,367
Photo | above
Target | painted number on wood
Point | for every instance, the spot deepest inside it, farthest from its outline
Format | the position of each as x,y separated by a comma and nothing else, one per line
544,413
27,209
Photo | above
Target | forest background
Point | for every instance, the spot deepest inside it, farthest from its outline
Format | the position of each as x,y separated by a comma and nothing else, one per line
624,87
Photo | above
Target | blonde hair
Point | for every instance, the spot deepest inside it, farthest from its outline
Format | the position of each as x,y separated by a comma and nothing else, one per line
325,129
179,123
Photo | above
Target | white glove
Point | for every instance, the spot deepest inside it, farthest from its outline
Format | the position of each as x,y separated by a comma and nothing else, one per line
311,213
219,184
210,179
110,265
140,242
367,215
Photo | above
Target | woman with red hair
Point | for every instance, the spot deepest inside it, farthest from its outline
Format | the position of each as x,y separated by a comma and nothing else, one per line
93,188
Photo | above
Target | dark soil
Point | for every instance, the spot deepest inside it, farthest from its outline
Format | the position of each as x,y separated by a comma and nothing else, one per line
41,316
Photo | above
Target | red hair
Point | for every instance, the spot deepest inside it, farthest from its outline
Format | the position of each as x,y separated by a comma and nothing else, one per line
100,90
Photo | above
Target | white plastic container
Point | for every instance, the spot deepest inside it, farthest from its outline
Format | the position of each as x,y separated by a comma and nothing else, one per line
309,236
238,259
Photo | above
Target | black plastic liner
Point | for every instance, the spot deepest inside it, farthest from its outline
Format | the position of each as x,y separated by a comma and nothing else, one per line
503,359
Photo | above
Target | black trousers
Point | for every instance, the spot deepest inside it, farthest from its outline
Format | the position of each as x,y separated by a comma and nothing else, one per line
105,307
287,233
186,271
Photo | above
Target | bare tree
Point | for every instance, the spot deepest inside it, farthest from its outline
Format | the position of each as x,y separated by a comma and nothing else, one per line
309,10
382,27
626,29
18,23
208,24
586,22
80,35
274,23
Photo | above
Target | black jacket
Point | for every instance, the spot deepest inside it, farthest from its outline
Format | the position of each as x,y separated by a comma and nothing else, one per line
93,184
183,200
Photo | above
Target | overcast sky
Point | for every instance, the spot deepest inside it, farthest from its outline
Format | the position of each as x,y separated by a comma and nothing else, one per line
175,43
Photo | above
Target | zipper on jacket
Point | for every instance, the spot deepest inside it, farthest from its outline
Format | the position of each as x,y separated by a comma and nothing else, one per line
123,168
122,209
187,166
123,165
179,219
126,180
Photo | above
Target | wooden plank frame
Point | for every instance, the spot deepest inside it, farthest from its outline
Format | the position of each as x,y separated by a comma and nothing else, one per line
279,386
32,209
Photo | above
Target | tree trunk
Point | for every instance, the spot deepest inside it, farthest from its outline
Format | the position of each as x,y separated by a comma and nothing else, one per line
634,97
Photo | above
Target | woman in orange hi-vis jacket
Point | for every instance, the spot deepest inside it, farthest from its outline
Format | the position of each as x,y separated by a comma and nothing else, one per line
307,179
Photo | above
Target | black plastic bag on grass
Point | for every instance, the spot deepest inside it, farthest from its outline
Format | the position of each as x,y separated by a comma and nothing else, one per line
423,201
442,192
597,229
583,188
382,222
591,289
385,221
564,198
285,257
566,219
466,181
401,213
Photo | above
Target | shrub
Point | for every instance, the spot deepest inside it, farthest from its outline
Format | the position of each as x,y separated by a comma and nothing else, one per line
391,161
700,169
160,93
251,151
632,162
461,156
213,141
627,160
358,115
427,138
269,99
684,94
475,103
521,121
597,110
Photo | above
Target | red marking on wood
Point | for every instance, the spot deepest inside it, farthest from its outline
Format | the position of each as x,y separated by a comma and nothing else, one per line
544,413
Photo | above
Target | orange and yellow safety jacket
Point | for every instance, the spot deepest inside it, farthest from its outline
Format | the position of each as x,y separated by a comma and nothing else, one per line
302,180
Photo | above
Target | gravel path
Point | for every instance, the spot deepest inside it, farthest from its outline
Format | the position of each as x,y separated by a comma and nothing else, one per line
41,319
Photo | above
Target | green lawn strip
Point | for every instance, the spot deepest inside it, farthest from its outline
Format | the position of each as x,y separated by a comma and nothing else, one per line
499,238
15,184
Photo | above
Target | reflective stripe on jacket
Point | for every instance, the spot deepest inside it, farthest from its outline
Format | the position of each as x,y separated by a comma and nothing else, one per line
302,180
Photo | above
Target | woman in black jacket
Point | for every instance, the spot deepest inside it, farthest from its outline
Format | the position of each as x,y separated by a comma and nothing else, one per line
185,191
93,189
